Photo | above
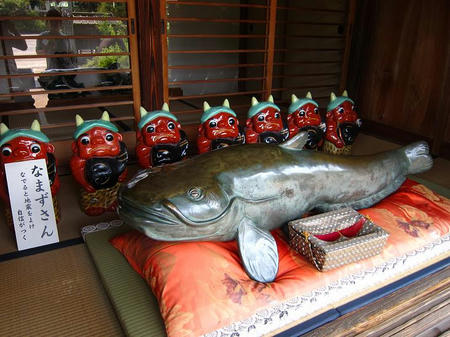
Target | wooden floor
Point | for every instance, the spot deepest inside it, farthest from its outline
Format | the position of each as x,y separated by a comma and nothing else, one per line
419,309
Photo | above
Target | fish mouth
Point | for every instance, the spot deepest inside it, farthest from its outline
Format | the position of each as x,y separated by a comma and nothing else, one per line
162,213
198,223
155,215
163,221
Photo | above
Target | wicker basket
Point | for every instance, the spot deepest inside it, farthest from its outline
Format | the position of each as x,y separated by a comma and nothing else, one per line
326,255
329,147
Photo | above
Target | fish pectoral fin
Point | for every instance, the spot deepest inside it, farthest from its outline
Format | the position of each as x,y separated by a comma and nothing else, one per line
258,251
297,142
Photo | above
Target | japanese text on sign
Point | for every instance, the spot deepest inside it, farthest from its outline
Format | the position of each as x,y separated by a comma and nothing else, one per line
31,203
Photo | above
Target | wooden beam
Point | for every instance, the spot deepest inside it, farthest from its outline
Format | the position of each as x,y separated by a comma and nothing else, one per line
442,121
150,53
62,18
34,56
171,19
213,4
348,43
134,59
216,51
65,73
270,45
164,51
63,37
63,91
65,107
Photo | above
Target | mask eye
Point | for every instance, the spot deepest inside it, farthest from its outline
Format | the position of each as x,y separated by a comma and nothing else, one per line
150,129
353,108
84,140
6,151
231,121
277,115
195,193
316,110
35,148
261,118
212,124
171,125
109,137
341,110
302,113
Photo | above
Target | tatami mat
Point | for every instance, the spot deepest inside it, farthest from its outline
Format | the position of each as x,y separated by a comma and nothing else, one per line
57,293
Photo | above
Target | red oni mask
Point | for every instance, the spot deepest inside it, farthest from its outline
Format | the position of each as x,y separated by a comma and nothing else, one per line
160,139
161,130
267,120
306,115
342,121
24,148
219,128
343,113
264,123
99,156
222,125
97,142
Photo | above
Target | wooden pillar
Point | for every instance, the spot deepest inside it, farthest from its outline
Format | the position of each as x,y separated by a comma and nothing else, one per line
270,46
150,55
163,48
348,42
134,58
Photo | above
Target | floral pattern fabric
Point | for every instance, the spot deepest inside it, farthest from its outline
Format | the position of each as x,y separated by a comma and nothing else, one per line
202,286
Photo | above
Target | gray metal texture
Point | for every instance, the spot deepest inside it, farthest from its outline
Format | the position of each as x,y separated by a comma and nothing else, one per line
245,191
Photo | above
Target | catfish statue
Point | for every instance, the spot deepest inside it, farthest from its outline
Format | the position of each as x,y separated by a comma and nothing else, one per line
245,191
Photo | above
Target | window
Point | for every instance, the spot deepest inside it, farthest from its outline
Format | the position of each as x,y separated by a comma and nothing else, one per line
59,58
238,49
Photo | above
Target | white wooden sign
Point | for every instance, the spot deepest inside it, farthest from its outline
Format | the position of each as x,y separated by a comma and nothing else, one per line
31,203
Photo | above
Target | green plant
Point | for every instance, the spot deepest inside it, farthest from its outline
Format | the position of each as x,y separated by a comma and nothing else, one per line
108,61
22,8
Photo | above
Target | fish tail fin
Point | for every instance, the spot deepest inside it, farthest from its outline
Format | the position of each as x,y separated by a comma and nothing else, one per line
419,157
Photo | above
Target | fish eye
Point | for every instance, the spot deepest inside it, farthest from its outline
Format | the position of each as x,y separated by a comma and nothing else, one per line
341,110
150,129
6,151
195,193
212,124
261,118
35,148
84,140
316,110
171,125
231,121
302,113
277,115
109,137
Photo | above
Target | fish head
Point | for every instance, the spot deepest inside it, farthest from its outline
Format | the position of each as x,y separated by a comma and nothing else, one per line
176,202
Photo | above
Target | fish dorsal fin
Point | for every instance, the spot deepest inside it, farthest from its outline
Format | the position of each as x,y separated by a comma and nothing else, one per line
258,251
297,142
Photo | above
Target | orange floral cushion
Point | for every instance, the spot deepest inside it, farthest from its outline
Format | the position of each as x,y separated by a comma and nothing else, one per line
202,286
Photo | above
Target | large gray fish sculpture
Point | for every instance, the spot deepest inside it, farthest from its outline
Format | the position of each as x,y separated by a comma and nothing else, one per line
245,191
